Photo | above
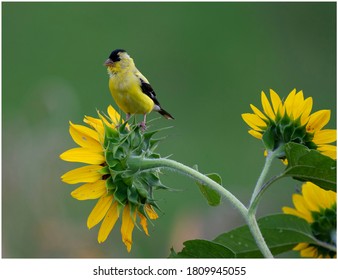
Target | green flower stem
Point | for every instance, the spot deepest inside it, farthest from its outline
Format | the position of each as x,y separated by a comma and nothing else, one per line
251,218
261,179
256,232
144,164
261,186
256,195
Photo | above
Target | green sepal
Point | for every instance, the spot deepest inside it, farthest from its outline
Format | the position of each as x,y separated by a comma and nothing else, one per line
132,195
120,151
151,143
269,139
140,209
141,191
104,170
135,139
287,132
110,159
115,173
299,135
151,179
122,129
120,193
110,184
147,138
324,222
109,134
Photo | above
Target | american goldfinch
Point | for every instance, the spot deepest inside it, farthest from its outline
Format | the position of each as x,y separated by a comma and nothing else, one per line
131,91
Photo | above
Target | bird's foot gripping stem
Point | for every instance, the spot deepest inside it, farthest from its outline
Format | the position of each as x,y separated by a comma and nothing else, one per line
143,123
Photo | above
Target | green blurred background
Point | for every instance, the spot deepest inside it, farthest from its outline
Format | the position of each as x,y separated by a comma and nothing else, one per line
207,63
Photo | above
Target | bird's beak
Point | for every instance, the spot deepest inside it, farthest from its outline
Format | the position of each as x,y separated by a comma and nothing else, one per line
109,62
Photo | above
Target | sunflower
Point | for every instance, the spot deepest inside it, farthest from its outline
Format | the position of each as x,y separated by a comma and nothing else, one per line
291,120
318,207
107,177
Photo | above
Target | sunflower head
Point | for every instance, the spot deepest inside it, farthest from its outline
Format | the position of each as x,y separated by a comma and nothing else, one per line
282,122
319,208
122,188
124,180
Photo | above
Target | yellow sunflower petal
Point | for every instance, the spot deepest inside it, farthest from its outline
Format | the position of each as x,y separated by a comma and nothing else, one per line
325,199
254,121
106,122
97,125
299,99
255,134
309,252
298,105
128,223
108,223
306,110
325,136
258,112
328,150
312,196
275,100
318,120
301,246
84,174
84,155
302,207
294,212
288,103
99,211
151,212
143,223
113,115
90,190
266,106
84,136
329,199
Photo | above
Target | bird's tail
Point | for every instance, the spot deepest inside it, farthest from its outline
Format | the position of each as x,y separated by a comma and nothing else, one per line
165,114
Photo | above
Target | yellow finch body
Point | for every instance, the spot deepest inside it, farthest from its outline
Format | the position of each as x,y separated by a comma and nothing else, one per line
129,88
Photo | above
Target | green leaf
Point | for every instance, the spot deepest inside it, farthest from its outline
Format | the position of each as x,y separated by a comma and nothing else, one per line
310,165
202,249
281,232
212,196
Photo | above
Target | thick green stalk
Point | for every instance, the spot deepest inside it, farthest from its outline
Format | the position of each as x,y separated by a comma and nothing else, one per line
146,163
256,232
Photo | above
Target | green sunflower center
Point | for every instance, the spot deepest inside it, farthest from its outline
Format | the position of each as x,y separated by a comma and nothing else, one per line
324,228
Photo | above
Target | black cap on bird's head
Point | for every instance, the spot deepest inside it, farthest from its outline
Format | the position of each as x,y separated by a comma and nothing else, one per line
114,57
